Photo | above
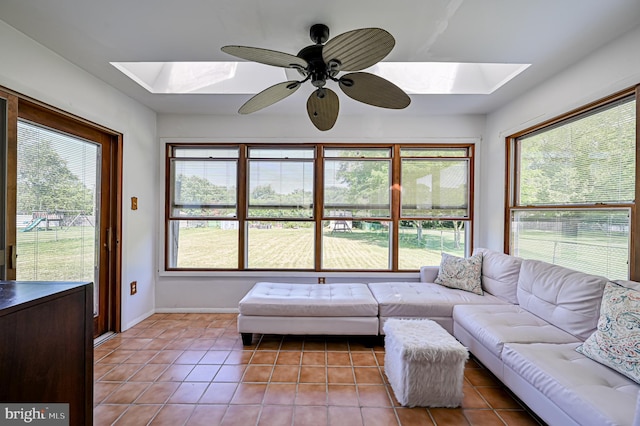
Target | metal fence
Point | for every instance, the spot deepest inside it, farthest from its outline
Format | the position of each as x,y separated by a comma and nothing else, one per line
608,260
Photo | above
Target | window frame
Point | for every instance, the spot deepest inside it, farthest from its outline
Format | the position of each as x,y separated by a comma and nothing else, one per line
468,220
512,176
319,216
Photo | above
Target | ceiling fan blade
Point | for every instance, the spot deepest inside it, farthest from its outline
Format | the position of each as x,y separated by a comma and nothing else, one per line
323,107
374,90
358,49
269,96
266,56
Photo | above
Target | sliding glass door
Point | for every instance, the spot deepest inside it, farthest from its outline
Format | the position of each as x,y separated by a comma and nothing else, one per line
58,207
61,204
3,180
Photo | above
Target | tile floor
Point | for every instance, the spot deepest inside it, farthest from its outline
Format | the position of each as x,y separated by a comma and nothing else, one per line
192,369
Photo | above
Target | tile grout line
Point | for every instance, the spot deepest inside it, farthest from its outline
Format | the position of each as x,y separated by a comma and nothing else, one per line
229,344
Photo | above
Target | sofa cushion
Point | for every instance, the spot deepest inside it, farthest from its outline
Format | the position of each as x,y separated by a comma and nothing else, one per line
460,273
500,274
309,300
427,300
495,325
428,273
616,341
566,298
588,392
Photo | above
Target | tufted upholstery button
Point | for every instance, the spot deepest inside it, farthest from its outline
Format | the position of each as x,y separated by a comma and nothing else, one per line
285,299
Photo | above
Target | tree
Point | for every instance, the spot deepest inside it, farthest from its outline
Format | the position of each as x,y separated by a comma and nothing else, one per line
264,194
458,226
585,161
360,186
433,187
45,182
198,191
589,161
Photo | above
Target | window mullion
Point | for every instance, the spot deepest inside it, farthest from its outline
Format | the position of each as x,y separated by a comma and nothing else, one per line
395,206
243,201
634,255
318,204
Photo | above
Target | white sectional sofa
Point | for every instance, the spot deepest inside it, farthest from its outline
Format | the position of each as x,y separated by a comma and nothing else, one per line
525,328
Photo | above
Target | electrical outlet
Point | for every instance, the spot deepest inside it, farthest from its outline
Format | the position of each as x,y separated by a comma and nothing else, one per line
134,287
321,280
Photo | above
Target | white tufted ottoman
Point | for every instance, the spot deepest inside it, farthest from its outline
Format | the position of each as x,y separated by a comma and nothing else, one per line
285,308
424,363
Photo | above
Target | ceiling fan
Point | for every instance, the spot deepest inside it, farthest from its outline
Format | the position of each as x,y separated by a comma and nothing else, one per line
351,51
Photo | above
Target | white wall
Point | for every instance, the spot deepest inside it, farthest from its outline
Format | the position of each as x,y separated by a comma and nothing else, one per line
608,70
176,292
33,70
29,68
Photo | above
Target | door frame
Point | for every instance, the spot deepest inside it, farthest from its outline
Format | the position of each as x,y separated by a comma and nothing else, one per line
10,189
19,106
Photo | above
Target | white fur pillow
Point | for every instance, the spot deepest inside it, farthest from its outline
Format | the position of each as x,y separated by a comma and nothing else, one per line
461,273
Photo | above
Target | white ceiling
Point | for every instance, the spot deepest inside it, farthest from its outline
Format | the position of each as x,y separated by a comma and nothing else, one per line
549,34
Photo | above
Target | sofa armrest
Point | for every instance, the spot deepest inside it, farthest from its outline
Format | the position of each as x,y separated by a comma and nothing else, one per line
428,273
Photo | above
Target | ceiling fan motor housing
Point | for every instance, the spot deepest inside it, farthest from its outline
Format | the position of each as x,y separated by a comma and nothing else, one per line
317,68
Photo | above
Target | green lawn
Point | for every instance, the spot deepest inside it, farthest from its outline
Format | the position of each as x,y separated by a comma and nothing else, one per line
69,254
293,248
56,254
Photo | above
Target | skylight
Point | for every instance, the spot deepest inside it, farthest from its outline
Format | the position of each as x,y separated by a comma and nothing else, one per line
420,78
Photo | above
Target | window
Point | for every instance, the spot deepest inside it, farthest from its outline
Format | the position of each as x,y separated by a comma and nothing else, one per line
316,207
357,209
203,221
281,230
435,205
572,195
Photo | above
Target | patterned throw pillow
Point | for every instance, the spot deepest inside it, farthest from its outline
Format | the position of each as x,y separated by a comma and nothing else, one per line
461,273
616,341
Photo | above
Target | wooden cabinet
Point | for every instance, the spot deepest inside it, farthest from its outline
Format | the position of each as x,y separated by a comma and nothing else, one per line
46,345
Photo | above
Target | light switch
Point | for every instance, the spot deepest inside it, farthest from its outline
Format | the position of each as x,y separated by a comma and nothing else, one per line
134,203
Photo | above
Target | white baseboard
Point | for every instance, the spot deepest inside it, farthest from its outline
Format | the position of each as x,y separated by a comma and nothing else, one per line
137,320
